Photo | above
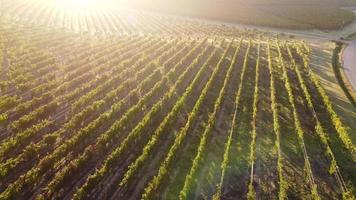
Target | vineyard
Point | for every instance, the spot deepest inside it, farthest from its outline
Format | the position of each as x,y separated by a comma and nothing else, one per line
165,109
108,21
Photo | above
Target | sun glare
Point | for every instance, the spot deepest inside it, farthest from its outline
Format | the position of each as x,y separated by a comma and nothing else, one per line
84,4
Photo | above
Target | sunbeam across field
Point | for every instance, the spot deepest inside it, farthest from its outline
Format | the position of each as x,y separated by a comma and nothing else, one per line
83,4
103,100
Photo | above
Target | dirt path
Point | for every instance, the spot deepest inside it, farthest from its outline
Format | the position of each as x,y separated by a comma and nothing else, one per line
349,63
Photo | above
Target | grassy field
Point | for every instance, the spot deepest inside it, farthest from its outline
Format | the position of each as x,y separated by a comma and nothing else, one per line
351,36
134,105
298,14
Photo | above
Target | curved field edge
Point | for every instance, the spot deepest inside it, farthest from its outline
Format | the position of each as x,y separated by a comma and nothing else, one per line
345,86
321,64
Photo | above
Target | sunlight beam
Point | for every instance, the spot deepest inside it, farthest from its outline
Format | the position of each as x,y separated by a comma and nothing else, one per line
84,4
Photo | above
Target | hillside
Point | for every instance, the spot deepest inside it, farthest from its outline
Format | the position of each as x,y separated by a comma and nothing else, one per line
125,104
292,14
146,116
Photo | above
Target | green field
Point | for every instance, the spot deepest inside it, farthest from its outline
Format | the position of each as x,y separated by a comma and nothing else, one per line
125,104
